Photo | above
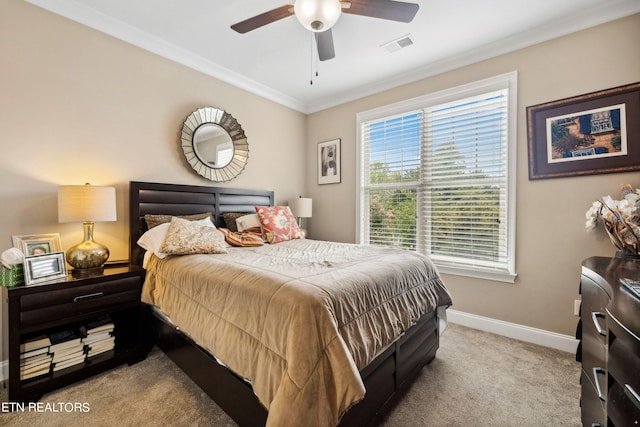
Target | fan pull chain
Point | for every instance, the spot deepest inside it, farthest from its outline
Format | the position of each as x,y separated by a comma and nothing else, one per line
317,63
311,59
311,64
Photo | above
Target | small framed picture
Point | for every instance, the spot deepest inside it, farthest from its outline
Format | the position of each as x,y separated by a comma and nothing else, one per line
329,162
44,268
37,244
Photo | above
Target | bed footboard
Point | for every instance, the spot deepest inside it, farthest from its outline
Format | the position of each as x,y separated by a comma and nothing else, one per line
228,390
390,374
386,378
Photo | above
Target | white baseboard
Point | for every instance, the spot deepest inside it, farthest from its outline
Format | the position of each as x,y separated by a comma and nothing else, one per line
513,330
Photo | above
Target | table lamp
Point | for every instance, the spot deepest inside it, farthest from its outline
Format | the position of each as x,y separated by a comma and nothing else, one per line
87,204
301,208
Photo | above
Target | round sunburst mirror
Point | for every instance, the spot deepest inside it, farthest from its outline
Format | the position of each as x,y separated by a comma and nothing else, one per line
214,144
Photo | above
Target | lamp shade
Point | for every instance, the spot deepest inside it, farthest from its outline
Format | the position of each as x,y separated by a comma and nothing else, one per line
317,15
301,207
86,203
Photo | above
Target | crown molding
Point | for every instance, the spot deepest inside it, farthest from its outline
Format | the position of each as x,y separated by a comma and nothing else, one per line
82,14
587,19
78,12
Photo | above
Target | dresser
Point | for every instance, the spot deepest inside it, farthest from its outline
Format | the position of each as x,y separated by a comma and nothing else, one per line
609,330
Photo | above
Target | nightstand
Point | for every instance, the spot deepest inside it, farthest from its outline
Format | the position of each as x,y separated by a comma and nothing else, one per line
40,309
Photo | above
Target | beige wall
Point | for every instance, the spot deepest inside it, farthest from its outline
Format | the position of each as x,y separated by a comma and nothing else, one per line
551,238
79,106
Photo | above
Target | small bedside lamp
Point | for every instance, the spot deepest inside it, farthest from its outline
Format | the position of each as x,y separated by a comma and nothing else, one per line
87,204
301,208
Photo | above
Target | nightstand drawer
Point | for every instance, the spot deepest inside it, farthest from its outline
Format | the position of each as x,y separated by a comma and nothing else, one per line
75,301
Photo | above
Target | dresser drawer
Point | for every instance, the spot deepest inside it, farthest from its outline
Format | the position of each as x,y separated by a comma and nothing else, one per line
594,327
66,303
593,411
623,408
624,356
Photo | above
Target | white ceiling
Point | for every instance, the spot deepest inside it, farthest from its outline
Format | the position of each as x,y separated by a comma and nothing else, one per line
275,61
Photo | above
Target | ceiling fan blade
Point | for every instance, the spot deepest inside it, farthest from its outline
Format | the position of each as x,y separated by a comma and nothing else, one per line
383,9
263,19
324,41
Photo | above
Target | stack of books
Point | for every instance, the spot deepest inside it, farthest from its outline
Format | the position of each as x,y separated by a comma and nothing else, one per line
66,348
99,336
35,359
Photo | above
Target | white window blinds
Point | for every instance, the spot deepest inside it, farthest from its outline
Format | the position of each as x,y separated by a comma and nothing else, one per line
392,166
436,180
466,180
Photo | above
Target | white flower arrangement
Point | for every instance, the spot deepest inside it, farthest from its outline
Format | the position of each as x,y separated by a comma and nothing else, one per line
621,219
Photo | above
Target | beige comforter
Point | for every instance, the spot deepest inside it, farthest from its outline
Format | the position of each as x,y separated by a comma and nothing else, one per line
298,319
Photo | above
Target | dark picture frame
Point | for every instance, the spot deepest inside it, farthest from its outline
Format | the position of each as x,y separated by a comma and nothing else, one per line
329,159
44,268
595,133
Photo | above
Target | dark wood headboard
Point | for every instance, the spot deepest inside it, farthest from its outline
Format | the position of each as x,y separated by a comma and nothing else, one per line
175,199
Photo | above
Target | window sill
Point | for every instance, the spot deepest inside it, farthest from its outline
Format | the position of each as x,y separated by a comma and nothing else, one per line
498,276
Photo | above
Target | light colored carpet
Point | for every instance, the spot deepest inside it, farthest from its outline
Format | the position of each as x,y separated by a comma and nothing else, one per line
477,379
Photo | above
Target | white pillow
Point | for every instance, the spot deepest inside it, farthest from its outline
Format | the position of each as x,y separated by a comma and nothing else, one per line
152,239
246,222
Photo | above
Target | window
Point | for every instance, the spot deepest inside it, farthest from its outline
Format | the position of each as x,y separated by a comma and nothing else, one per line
437,176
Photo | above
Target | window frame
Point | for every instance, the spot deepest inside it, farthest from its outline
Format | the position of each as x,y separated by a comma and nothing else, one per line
503,81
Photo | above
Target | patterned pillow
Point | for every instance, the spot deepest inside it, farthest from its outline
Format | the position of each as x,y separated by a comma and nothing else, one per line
249,222
155,220
152,239
186,237
242,239
278,223
230,219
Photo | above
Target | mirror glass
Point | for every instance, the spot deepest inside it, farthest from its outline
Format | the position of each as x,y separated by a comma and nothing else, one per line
214,144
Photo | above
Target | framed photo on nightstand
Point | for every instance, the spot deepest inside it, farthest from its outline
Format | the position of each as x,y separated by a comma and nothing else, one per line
37,244
44,268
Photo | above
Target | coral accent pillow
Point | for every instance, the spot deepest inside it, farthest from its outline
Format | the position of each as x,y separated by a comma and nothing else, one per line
186,237
278,223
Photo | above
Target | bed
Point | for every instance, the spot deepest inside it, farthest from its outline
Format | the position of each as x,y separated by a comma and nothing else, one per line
318,361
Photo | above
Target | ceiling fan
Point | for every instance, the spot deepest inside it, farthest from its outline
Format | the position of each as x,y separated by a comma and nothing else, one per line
319,16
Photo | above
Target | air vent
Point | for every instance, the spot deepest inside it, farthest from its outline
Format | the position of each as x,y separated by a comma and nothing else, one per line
397,44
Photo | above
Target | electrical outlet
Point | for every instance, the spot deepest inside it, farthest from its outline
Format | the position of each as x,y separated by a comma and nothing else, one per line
576,307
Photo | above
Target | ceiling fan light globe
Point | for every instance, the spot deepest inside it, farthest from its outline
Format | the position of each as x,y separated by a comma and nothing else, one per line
317,15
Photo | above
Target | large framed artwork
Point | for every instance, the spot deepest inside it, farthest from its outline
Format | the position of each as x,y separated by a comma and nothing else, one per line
329,162
584,135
